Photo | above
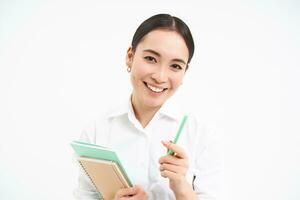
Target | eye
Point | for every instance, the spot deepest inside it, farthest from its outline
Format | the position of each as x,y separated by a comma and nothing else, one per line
176,67
150,59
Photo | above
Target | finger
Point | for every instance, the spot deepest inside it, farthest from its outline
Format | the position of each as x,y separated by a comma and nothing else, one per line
173,168
138,188
141,194
173,160
171,175
126,192
176,148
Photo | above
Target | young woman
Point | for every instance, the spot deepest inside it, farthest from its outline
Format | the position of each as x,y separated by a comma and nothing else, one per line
141,130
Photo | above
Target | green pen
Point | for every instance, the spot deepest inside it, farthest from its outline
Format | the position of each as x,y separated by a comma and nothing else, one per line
170,152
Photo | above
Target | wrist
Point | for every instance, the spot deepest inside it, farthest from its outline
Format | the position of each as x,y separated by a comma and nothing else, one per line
185,191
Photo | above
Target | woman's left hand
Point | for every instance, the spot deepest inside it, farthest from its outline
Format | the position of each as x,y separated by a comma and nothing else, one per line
175,168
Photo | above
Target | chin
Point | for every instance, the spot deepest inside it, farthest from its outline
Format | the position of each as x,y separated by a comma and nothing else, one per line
154,103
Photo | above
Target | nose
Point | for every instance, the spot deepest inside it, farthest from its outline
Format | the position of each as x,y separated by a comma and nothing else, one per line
160,75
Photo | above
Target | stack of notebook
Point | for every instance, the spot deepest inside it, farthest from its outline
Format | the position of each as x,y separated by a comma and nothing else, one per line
103,167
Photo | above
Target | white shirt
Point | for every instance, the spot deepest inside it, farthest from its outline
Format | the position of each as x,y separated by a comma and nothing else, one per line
139,150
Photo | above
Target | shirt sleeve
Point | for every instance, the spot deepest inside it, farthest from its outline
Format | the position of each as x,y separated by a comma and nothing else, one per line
208,165
85,189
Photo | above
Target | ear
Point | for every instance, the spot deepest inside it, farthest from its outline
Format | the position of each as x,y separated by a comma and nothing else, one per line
129,57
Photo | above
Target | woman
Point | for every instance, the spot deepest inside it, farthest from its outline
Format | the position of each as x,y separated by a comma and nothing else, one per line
140,131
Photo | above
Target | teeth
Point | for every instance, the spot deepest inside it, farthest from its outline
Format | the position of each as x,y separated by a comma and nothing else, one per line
155,89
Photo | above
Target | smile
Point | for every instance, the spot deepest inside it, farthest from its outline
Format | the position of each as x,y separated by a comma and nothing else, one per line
155,89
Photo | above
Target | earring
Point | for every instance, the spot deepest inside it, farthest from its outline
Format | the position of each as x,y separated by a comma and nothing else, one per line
128,69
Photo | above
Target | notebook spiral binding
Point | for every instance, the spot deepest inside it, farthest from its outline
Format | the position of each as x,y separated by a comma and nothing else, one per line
98,191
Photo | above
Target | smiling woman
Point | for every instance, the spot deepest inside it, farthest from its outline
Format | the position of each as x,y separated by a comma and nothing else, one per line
157,69
140,131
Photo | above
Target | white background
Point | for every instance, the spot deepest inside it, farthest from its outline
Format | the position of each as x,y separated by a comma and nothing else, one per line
63,62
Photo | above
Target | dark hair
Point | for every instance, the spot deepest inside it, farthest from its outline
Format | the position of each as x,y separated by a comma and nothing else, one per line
164,21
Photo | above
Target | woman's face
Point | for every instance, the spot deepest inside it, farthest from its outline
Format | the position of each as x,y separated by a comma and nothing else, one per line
157,67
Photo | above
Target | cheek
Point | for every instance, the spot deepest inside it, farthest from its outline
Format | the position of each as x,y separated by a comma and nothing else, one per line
137,75
140,70
176,81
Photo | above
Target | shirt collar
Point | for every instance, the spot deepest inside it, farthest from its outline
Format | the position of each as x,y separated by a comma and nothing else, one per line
172,110
169,109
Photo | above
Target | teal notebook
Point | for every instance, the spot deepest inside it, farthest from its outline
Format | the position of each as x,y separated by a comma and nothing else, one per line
98,152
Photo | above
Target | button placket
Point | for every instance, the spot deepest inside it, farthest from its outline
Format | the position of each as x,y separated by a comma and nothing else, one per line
144,156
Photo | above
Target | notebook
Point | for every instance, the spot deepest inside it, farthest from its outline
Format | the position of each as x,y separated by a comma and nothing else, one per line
103,167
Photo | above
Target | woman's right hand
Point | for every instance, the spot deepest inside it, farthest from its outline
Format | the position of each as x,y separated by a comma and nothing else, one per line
133,193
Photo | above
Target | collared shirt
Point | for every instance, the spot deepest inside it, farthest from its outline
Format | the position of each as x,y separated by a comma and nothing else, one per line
139,150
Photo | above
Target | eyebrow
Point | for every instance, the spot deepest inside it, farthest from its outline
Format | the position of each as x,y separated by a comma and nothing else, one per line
157,54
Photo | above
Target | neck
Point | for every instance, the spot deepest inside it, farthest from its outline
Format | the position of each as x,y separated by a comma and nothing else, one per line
143,113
